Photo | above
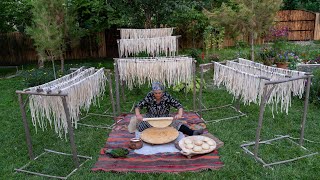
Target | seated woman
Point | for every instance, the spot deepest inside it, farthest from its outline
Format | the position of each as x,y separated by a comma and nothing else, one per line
158,104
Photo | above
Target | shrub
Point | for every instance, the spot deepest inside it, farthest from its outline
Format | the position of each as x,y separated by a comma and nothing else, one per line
181,87
34,77
315,88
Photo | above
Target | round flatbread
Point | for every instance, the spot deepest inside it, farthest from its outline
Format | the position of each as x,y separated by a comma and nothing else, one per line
159,135
198,142
211,142
187,141
205,146
197,148
189,146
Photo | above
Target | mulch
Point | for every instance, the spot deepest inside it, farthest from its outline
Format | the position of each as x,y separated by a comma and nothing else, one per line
119,137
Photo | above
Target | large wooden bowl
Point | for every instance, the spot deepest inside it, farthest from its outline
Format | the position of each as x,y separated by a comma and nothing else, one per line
159,135
160,122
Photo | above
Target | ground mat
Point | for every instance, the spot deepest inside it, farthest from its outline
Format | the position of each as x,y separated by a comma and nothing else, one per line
119,137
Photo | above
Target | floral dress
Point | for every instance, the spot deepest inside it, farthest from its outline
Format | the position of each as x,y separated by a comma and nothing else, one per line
161,109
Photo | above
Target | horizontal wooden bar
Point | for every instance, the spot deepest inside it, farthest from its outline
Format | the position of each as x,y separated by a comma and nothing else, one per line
153,57
100,127
177,36
4,67
207,64
290,160
147,28
40,174
37,93
62,153
287,80
263,142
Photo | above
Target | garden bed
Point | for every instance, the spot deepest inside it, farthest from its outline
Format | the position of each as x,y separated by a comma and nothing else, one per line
307,67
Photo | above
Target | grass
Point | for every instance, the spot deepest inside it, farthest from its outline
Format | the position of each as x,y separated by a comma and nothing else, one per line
233,133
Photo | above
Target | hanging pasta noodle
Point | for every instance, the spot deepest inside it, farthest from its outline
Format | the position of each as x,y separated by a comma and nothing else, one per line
169,71
281,93
297,86
152,46
238,83
82,91
145,33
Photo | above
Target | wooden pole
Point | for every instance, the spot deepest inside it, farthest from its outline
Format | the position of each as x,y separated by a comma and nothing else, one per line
200,93
305,110
265,97
71,133
258,132
238,104
26,126
111,95
122,92
194,85
117,87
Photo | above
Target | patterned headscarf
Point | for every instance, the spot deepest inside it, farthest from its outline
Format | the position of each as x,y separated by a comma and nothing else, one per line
157,86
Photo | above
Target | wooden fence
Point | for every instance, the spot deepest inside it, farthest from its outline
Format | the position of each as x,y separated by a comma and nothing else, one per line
17,48
301,24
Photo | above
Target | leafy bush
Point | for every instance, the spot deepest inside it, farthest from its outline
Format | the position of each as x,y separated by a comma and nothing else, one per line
315,88
213,57
194,53
181,87
34,77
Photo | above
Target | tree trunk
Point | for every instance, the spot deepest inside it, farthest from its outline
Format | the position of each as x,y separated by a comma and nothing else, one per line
40,64
62,63
252,46
53,67
147,24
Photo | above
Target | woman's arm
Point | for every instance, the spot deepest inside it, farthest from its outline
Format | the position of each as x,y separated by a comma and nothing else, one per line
142,104
179,115
138,115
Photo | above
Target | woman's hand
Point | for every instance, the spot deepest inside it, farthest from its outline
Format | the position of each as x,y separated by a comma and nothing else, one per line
178,116
139,117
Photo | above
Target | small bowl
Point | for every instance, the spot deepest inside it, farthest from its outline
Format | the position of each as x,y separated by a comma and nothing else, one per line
135,143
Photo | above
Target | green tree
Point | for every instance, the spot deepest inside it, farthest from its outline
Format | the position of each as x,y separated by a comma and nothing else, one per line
14,15
185,15
252,17
310,5
53,27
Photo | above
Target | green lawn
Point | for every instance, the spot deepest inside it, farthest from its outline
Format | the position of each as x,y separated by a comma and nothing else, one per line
237,164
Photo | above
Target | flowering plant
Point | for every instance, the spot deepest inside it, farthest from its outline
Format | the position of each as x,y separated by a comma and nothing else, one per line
266,53
288,57
279,38
280,34
315,60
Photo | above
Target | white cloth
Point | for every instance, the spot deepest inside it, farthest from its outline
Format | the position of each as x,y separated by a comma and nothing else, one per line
148,149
